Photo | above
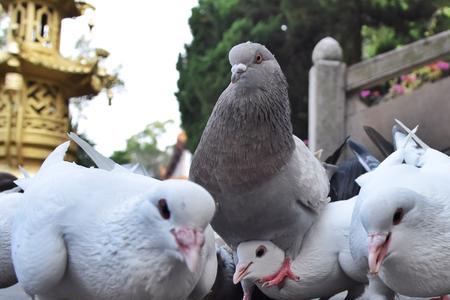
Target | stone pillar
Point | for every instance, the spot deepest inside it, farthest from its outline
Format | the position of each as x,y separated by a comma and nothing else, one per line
326,128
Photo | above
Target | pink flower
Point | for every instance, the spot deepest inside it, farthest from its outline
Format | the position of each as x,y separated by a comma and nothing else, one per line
364,93
443,65
409,78
433,67
399,89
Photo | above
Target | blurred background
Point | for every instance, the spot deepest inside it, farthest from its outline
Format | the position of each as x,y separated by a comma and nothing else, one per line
139,79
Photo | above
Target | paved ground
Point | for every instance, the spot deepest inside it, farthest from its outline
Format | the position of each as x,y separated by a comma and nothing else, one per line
16,293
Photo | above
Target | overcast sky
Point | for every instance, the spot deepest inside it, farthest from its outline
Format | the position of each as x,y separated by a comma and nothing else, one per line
145,38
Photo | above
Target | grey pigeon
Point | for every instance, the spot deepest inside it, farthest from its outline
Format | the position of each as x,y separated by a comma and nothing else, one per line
266,183
93,234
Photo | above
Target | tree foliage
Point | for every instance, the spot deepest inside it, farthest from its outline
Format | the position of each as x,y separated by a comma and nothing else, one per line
143,148
291,29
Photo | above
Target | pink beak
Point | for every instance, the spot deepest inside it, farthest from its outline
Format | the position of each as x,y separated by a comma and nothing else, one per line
190,243
378,248
241,272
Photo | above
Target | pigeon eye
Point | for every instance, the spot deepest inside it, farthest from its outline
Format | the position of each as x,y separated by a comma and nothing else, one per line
258,58
260,251
163,209
398,216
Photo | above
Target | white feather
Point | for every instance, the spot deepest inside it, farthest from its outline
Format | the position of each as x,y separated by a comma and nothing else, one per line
97,234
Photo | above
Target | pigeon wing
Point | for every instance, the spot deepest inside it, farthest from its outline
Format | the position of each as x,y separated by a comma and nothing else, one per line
39,257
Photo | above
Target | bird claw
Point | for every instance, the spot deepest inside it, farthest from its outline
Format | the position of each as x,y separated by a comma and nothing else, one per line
278,278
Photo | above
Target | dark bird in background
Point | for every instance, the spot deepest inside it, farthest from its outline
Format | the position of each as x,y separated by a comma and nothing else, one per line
7,181
385,147
343,174
224,288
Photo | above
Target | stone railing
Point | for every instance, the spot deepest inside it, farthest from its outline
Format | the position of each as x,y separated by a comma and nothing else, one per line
336,111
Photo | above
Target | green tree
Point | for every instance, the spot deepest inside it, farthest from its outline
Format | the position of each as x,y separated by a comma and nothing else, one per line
143,148
291,29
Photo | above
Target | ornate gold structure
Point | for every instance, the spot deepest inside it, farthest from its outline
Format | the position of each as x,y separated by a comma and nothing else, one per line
36,82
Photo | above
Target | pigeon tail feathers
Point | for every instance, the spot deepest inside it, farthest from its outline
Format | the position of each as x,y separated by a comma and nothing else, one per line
413,135
101,161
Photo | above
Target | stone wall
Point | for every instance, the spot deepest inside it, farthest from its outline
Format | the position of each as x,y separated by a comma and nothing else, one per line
335,110
428,106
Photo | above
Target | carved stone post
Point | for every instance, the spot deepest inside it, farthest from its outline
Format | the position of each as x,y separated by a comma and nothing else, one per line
327,97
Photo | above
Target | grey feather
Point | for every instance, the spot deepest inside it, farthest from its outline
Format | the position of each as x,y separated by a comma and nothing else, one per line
398,136
414,136
342,183
334,157
366,159
248,137
379,141
266,183
101,161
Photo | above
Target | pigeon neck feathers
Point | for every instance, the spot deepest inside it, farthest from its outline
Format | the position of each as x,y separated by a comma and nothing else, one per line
248,137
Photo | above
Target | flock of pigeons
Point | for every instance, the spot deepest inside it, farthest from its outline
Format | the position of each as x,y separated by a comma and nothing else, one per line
259,210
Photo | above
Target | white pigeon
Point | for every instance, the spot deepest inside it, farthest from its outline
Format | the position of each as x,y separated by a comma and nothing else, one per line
8,205
209,270
401,221
324,264
94,234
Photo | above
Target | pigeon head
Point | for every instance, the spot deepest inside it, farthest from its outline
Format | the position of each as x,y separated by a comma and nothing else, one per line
252,65
257,259
390,216
184,209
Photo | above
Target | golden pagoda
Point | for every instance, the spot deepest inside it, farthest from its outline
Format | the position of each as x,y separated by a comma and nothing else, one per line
36,82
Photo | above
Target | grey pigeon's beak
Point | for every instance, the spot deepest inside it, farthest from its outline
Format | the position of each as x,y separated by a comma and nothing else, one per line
236,72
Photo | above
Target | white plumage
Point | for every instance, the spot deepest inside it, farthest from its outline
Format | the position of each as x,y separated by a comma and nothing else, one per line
8,205
324,263
401,222
95,234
